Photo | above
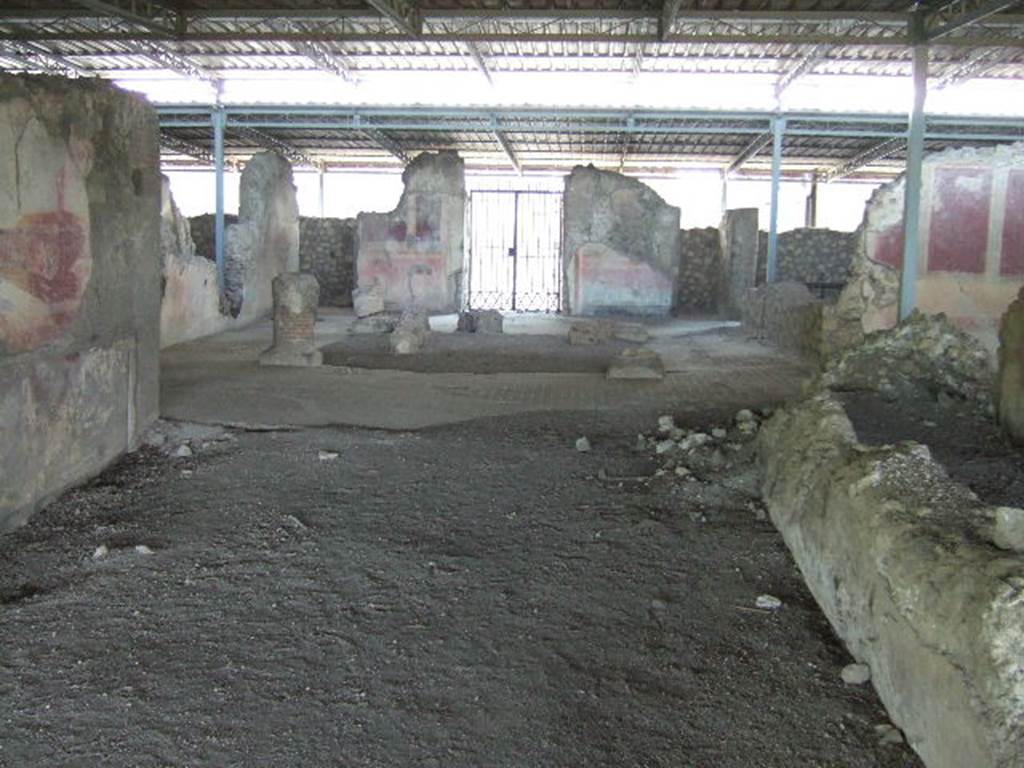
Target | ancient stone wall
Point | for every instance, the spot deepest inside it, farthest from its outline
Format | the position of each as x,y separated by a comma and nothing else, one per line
739,238
810,255
327,248
903,564
621,245
787,315
79,283
415,252
190,306
202,229
700,270
264,243
971,247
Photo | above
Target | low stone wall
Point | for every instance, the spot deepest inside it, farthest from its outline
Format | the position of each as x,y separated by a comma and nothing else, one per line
786,315
327,248
739,240
202,229
700,270
79,283
898,558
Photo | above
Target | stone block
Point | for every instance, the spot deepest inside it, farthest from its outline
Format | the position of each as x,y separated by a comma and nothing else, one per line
481,321
410,334
637,364
296,296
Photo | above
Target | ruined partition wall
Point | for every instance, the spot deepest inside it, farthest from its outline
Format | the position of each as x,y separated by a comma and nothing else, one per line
79,283
415,252
971,247
620,245
327,248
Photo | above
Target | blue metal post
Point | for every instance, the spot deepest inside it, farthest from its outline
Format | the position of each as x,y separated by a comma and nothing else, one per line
915,157
778,129
219,122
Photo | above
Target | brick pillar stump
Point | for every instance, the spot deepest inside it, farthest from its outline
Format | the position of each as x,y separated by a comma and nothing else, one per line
296,296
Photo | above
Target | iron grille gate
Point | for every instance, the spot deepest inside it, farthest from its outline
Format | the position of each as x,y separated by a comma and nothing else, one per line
515,244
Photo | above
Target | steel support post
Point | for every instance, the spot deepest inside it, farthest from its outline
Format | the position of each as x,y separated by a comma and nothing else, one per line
811,207
915,156
219,122
778,130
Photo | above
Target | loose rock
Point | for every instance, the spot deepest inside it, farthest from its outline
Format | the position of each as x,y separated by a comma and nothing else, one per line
582,445
768,602
856,674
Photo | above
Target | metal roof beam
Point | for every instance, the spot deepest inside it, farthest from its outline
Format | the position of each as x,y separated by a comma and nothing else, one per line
506,147
807,62
478,59
875,152
975,65
669,14
35,58
294,154
753,148
164,57
146,13
404,13
962,13
185,147
385,141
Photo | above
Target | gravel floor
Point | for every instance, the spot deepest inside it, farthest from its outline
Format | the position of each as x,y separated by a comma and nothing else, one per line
471,595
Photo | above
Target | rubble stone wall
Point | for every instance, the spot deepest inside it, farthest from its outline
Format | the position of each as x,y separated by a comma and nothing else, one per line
415,252
912,584
202,229
971,247
327,248
810,255
79,283
787,315
739,237
700,270
621,245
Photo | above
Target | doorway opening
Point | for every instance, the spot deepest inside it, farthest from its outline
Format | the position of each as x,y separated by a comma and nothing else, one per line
515,250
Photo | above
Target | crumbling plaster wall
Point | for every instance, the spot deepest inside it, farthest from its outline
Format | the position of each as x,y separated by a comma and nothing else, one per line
621,245
327,248
264,243
79,283
415,252
971,247
787,315
190,306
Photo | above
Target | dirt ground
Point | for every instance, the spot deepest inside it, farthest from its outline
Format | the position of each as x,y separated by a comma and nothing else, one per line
969,444
477,353
471,595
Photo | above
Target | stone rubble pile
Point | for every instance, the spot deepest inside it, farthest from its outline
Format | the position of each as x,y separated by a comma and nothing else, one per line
691,452
925,354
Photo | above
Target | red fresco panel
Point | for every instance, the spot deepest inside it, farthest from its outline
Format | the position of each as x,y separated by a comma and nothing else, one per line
959,221
889,246
1012,263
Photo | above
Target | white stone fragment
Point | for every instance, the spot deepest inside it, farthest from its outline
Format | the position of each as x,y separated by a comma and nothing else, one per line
856,674
582,445
768,602
327,455
1009,529
666,424
100,552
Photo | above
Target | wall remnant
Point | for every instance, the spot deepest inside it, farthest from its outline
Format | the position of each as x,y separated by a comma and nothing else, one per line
296,297
1010,382
739,238
191,305
700,271
410,333
327,248
636,364
810,255
264,242
480,321
415,252
971,245
620,245
79,283
787,315
896,555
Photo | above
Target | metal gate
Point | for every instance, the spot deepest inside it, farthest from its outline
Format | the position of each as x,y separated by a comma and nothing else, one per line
515,244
